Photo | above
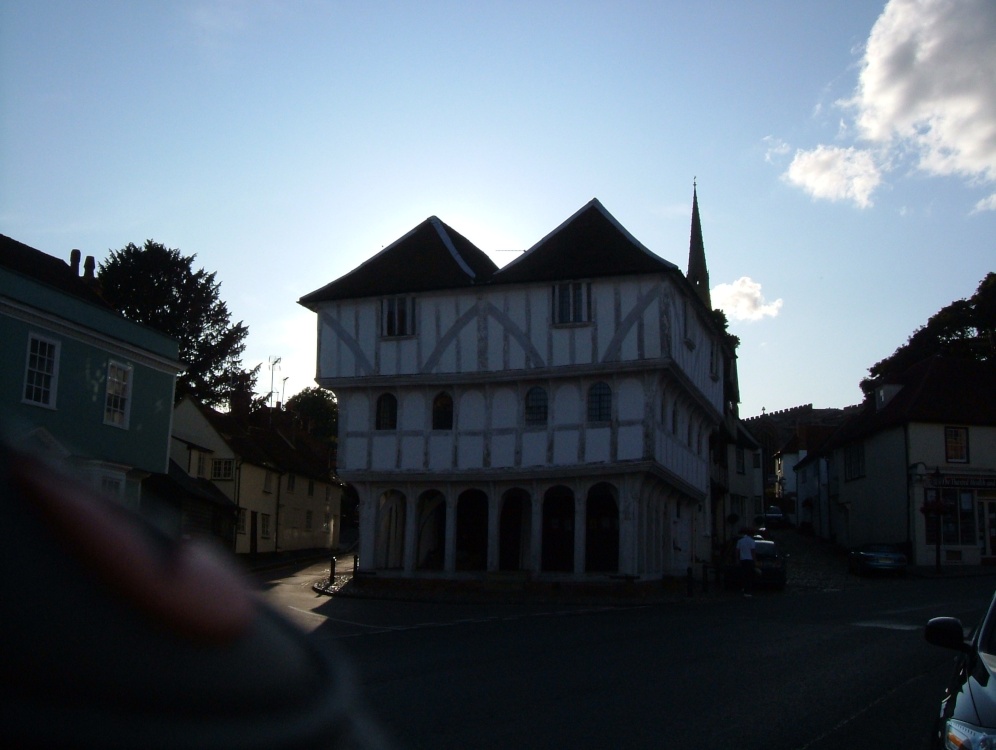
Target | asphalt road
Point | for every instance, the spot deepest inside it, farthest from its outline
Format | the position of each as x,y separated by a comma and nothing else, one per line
807,669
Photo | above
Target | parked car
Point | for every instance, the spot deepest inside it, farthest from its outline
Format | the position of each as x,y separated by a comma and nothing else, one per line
968,708
877,558
770,566
773,517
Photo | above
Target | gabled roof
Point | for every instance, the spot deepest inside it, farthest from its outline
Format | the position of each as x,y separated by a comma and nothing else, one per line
431,256
39,266
937,390
591,243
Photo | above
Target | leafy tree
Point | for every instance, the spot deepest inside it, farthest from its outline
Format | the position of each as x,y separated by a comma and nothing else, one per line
965,329
319,410
159,287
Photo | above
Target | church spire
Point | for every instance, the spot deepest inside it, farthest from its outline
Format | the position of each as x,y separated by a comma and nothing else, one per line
698,274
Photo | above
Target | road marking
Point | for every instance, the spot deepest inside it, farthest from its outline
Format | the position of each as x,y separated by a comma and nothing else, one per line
886,625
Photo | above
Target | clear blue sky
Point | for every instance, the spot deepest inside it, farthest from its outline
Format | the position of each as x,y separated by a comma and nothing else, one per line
845,151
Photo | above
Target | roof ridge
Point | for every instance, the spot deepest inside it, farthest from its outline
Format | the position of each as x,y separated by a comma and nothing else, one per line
441,228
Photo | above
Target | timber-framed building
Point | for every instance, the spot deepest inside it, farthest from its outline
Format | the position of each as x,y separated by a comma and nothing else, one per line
551,417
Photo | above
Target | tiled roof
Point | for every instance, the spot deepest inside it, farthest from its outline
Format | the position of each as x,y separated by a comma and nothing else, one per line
431,256
276,445
27,261
937,390
591,243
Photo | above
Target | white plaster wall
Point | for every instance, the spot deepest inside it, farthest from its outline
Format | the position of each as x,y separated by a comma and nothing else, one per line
413,411
502,451
534,448
504,408
472,410
597,448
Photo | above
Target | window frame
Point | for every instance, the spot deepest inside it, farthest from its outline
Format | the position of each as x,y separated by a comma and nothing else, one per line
571,303
222,475
397,316
536,407
599,403
264,525
386,412
51,388
122,401
854,461
956,444
442,411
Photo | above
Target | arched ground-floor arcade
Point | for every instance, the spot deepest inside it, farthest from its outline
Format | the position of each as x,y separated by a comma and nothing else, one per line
561,528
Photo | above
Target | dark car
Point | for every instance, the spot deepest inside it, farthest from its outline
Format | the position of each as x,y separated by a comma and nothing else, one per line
769,571
877,558
968,708
773,517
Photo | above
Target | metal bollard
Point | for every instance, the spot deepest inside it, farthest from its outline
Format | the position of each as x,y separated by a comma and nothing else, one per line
356,562
332,572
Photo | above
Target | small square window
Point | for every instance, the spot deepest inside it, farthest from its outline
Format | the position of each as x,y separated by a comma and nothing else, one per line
222,468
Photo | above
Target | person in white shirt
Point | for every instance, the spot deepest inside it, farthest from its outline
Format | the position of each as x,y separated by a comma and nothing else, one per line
747,554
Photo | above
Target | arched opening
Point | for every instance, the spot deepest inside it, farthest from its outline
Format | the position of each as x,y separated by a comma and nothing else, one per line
391,531
386,417
472,531
442,412
431,540
514,530
558,530
602,530
536,407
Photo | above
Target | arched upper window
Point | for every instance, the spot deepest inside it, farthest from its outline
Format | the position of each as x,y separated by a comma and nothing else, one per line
674,418
442,412
387,412
536,406
599,403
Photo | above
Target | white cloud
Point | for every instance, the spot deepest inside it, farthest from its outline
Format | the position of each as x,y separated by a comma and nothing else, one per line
743,300
927,91
835,174
986,204
928,82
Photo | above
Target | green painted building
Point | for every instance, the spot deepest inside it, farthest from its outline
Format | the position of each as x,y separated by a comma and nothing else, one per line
78,381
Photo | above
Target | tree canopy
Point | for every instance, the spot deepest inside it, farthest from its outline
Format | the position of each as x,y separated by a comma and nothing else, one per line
965,329
319,410
158,286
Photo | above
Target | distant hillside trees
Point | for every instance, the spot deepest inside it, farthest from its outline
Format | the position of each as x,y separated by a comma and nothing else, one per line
158,286
965,329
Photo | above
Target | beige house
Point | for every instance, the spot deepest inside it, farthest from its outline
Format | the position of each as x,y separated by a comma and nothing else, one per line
280,478
920,456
